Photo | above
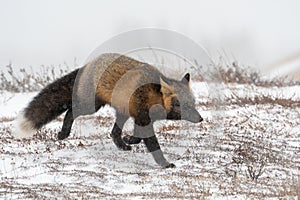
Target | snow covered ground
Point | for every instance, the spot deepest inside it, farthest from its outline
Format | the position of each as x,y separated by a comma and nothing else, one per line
251,151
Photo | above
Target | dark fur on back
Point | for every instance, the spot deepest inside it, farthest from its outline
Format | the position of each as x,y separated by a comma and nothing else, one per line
52,101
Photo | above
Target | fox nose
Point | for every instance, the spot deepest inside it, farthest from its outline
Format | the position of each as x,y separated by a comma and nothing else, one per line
192,115
195,118
201,119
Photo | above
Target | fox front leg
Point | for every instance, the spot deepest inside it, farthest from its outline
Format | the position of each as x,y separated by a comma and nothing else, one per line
117,132
129,139
151,142
154,148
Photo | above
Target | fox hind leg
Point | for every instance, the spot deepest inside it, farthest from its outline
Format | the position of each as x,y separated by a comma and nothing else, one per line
67,125
70,117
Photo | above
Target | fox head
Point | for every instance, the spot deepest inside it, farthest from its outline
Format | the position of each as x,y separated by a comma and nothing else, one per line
178,100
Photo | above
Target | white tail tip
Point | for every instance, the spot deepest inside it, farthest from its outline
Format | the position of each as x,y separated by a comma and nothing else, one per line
23,128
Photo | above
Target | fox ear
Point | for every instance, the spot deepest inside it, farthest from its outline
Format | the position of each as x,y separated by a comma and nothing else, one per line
186,78
166,89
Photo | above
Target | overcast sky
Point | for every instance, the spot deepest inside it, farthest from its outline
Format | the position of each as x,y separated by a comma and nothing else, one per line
35,32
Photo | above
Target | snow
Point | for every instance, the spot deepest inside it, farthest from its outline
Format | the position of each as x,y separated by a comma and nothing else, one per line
13,103
212,158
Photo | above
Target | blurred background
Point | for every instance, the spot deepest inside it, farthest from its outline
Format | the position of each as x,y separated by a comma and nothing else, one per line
261,34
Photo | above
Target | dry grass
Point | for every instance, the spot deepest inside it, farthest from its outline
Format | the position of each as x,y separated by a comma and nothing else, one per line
235,73
28,80
262,100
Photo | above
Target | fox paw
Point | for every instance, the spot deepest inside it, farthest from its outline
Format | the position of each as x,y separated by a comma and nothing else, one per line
121,145
131,139
170,165
62,135
125,148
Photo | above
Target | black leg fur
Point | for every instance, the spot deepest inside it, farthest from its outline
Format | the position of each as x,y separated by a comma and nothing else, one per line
69,119
152,143
117,132
67,125
154,148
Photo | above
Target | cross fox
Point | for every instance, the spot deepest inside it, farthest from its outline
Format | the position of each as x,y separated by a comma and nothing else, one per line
135,89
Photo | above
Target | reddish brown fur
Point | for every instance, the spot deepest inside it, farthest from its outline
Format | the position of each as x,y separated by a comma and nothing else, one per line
119,84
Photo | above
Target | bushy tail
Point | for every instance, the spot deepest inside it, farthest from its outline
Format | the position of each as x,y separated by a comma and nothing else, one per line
52,101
